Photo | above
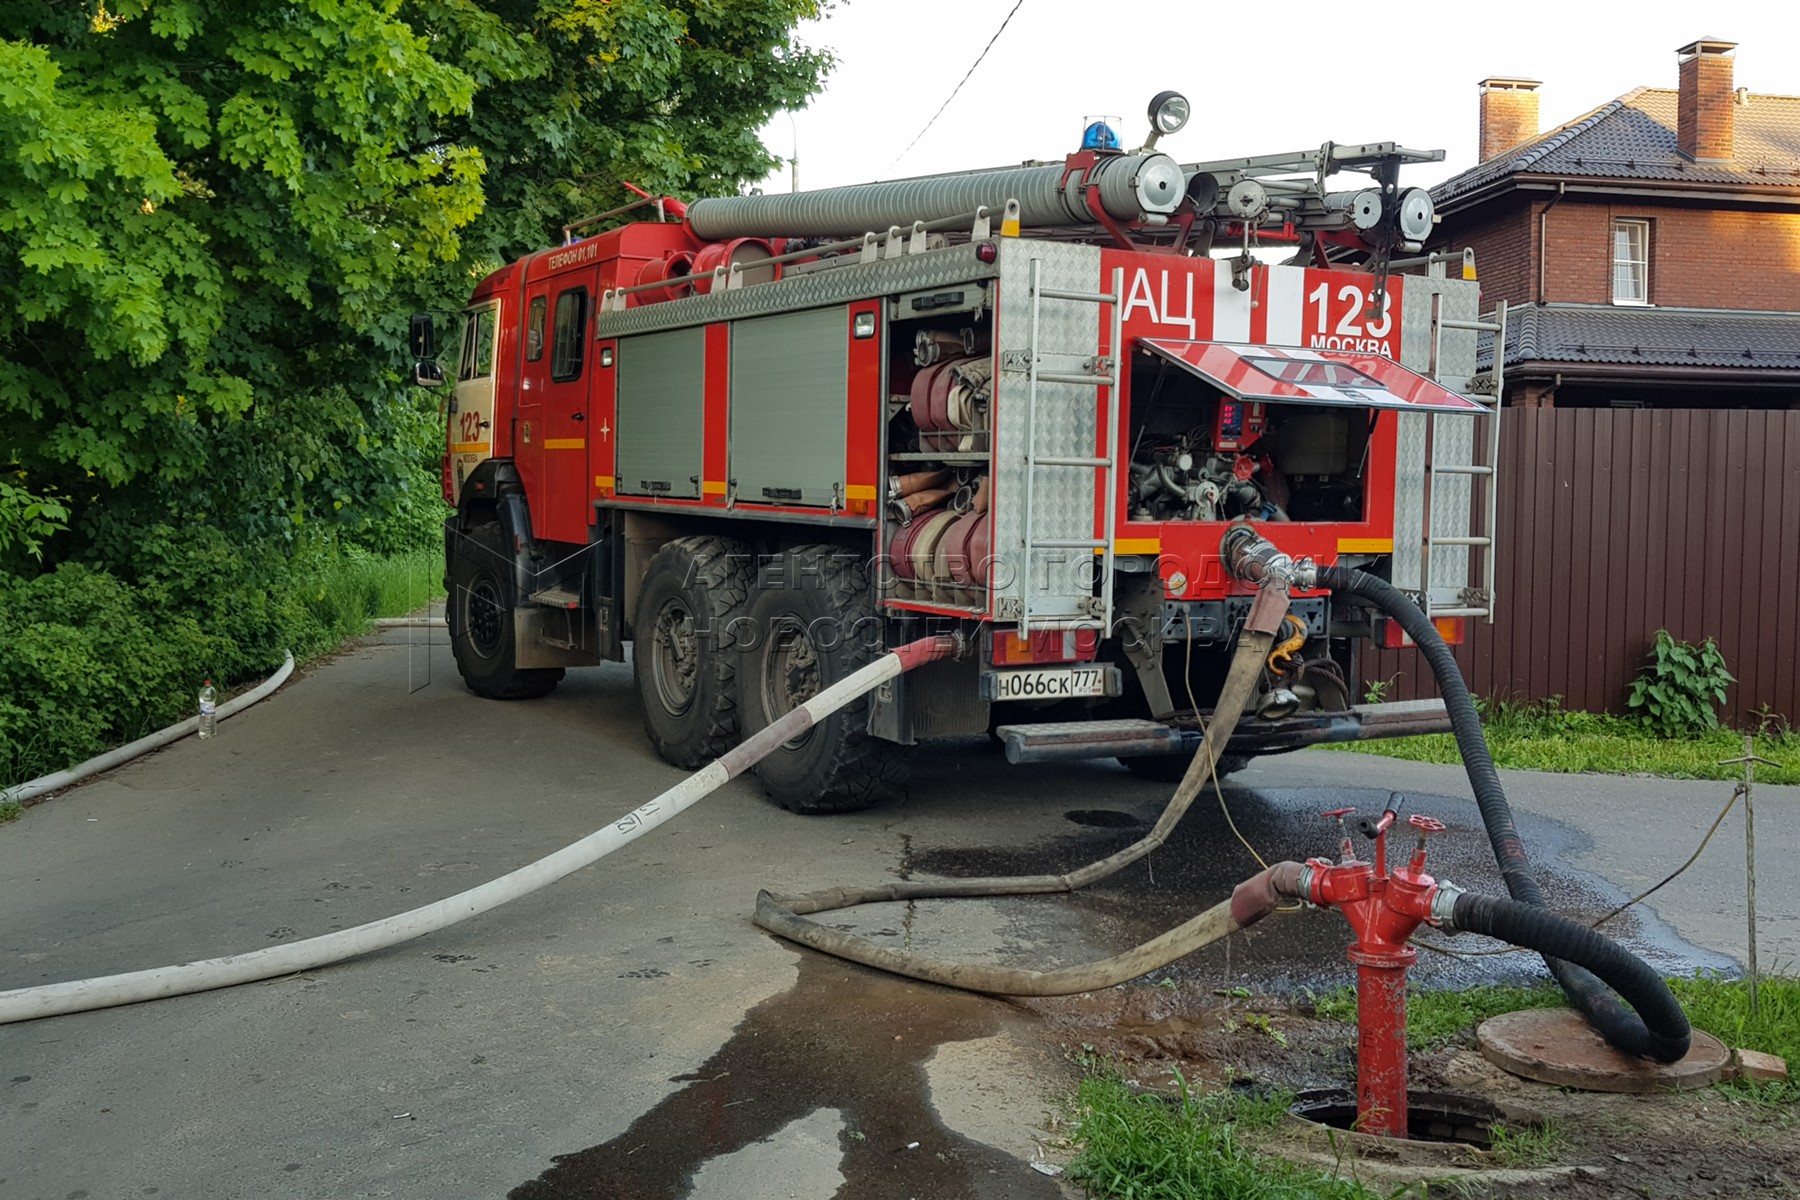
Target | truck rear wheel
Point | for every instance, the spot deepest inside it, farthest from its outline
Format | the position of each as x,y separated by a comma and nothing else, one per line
681,659
480,610
813,625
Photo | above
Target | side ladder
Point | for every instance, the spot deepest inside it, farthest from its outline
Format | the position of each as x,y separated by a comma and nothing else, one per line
1481,601
1104,371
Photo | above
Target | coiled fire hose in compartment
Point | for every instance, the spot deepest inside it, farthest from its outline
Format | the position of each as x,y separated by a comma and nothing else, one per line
1658,1029
787,915
82,995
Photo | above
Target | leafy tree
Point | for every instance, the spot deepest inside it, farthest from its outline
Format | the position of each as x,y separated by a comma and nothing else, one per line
215,214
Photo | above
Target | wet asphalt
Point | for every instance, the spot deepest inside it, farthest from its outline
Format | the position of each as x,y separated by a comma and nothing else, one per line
1304,950
628,1032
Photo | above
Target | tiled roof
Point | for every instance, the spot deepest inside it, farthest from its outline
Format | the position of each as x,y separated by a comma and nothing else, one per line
1633,137
1661,337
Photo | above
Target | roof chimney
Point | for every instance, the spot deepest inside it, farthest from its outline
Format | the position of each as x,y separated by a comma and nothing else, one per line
1704,111
1509,113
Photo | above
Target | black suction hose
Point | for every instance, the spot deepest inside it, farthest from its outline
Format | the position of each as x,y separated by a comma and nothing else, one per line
1659,1029
1559,939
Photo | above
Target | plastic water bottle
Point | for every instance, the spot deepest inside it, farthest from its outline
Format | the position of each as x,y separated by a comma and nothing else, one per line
208,709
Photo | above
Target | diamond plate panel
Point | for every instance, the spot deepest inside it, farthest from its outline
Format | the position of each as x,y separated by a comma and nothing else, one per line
1454,442
909,272
1056,584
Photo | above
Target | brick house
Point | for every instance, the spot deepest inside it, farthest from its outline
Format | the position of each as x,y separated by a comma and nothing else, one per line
1649,249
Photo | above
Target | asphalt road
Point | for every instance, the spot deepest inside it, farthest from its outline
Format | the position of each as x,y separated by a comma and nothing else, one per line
628,1032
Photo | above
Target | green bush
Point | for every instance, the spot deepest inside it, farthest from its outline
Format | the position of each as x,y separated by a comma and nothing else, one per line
1679,690
91,658
83,662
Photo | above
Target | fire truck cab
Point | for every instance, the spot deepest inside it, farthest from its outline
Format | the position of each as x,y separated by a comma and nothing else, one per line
759,439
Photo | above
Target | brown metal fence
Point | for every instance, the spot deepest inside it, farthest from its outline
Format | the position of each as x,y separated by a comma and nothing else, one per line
1615,523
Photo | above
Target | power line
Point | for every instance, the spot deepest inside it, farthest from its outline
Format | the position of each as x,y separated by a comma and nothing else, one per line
946,104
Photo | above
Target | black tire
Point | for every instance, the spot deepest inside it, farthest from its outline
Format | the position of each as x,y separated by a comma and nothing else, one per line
681,658
1169,768
480,618
813,624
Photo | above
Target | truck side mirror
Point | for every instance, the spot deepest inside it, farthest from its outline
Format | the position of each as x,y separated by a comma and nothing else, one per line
423,337
428,374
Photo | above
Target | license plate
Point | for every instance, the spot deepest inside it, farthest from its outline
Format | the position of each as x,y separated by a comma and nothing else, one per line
1049,685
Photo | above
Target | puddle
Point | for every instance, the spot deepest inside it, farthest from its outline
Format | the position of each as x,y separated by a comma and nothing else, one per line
843,1039
1299,951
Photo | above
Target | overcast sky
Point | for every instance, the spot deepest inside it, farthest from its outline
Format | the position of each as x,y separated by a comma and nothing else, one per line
1263,78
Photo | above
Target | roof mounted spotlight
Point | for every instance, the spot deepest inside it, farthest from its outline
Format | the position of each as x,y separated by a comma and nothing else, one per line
1364,208
1169,111
1416,215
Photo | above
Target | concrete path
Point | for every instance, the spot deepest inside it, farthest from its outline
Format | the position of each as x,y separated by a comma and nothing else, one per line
629,1023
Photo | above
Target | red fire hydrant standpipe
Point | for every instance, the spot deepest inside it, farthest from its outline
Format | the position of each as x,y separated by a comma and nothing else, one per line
1583,962
1384,910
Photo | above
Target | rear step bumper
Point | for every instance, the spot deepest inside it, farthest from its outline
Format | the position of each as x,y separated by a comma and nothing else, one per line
1067,740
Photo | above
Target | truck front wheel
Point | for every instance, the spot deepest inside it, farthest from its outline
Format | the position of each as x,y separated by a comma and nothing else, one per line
693,594
811,625
480,609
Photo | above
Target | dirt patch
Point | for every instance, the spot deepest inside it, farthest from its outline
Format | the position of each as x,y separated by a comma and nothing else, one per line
1704,1143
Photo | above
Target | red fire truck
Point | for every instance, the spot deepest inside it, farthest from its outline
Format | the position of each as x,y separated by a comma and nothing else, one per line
759,438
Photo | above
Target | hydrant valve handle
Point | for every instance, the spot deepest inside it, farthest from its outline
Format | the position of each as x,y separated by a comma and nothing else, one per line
1346,851
1426,827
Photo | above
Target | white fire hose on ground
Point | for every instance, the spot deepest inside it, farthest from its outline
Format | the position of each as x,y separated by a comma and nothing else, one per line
31,789
82,995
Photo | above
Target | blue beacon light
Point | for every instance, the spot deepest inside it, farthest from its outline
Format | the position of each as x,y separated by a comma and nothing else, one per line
1099,136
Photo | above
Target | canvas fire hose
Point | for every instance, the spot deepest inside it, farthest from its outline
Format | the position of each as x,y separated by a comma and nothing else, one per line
1583,961
82,995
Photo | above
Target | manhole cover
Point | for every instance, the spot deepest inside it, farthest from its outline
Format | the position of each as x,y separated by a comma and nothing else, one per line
1557,1045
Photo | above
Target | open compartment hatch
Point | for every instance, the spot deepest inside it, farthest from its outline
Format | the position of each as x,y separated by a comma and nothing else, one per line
1287,375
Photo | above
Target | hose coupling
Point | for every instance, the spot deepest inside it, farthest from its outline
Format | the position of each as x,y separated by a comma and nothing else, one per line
1307,881
1250,556
1443,907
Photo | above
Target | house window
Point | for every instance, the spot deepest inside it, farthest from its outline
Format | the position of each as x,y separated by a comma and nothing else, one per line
1631,262
567,338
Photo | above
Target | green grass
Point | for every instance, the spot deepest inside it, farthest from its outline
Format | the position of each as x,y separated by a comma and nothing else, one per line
10,812
1186,1147
1435,1017
1525,1146
351,588
1723,1010
1721,1007
1546,737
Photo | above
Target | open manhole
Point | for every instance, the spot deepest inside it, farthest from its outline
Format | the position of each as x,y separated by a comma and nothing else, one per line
1104,818
1430,1116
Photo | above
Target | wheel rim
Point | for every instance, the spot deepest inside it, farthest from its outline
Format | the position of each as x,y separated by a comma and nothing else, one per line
791,676
674,658
485,612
